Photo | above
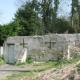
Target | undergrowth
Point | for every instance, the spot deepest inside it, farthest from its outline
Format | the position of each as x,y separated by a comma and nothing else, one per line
2,60
28,61
49,65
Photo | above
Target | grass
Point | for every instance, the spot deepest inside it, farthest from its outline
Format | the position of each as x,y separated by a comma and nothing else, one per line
2,60
78,68
28,61
50,64
30,75
20,76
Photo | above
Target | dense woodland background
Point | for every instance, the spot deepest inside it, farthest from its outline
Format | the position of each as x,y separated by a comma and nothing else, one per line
40,17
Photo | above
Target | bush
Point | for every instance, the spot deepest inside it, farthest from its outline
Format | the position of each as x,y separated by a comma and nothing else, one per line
2,57
30,60
62,25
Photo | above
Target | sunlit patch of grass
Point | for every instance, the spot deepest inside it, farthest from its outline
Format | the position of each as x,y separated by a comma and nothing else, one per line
74,60
51,64
29,61
2,60
21,76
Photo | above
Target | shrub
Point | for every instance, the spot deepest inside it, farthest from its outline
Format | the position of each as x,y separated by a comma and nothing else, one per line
2,57
30,60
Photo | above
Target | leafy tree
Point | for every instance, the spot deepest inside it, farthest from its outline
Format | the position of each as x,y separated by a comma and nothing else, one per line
28,18
79,13
62,25
54,18
46,6
11,29
49,14
56,5
16,28
75,15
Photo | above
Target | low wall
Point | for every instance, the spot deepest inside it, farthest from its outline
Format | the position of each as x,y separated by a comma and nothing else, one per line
1,50
44,48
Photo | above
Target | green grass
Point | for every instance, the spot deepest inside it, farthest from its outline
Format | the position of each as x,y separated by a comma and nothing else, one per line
49,65
2,60
28,61
19,64
21,76
71,61
2,57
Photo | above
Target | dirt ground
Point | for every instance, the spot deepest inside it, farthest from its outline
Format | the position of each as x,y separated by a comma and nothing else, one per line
68,72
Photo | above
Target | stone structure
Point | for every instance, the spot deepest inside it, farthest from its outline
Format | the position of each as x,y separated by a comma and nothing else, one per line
43,48
1,50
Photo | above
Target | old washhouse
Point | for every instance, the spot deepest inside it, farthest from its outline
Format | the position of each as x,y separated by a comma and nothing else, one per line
42,48
14,50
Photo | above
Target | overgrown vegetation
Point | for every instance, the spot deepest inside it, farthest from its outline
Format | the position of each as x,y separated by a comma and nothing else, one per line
29,60
33,74
2,60
50,64
38,17
21,75
2,57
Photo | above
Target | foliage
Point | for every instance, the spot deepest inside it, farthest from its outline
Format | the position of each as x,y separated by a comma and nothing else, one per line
21,75
49,14
28,18
2,57
11,29
16,28
29,60
40,17
61,25
4,33
2,60
51,64
75,15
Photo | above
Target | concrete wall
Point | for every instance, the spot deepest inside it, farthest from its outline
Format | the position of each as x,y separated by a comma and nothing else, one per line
1,50
46,47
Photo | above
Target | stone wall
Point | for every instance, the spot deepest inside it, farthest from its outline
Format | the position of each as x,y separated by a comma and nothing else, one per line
46,47
1,50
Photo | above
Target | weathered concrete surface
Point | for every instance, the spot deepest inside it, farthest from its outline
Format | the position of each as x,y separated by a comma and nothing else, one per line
43,48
